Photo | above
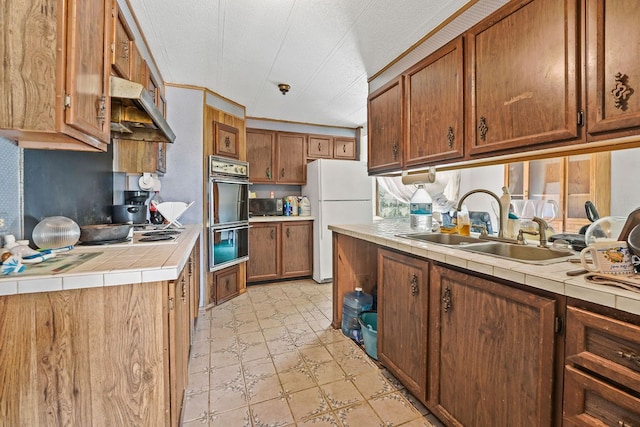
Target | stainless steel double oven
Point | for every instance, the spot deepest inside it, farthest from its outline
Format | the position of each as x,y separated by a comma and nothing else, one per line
228,213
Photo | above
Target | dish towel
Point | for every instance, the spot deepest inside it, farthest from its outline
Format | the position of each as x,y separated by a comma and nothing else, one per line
631,283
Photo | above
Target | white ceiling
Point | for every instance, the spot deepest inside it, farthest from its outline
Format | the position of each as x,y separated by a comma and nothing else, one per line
325,49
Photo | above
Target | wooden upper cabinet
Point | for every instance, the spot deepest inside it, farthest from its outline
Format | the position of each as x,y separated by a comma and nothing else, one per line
385,128
319,146
291,168
121,59
524,77
261,152
225,140
434,99
613,68
65,65
344,148
139,68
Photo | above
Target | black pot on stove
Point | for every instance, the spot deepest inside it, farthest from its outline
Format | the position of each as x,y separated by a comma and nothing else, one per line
129,214
135,197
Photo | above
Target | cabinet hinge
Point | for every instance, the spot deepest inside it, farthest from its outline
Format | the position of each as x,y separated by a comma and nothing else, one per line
67,100
558,325
581,118
171,304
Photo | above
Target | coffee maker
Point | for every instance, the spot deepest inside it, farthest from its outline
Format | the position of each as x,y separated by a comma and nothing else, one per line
134,211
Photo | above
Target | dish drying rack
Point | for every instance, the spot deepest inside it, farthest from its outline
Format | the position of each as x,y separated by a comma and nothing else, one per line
171,211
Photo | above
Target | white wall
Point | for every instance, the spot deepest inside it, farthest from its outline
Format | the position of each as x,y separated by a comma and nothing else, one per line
625,181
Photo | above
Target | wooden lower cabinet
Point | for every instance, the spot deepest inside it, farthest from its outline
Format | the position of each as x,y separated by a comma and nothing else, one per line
602,372
403,301
491,353
280,250
226,284
107,356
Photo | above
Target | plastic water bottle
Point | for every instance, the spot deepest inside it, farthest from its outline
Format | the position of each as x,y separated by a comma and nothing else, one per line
420,210
353,304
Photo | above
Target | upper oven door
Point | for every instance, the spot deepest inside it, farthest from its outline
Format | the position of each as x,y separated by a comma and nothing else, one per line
228,202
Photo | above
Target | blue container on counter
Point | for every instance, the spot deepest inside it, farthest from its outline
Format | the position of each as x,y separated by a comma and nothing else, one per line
353,304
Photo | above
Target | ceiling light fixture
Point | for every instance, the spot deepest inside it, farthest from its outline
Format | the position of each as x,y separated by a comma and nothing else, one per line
284,88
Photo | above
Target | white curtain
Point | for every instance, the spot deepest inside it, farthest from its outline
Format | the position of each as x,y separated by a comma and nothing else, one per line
449,180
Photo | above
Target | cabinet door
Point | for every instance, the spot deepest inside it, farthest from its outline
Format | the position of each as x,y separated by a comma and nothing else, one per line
319,147
385,128
492,352
226,284
225,140
122,47
88,67
179,341
139,67
524,77
261,151
290,159
434,92
344,148
403,300
613,68
297,249
264,247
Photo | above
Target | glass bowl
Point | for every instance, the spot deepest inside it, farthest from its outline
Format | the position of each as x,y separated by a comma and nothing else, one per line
605,228
55,232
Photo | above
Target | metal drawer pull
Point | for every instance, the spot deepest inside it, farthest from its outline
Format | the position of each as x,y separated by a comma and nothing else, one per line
629,356
414,285
483,128
621,92
394,149
446,300
450,137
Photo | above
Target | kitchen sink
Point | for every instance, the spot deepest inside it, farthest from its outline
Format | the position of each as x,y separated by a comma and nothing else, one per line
441,238
521,253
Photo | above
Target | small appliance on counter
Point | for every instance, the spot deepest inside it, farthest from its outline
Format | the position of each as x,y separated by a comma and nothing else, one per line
266,207
133,211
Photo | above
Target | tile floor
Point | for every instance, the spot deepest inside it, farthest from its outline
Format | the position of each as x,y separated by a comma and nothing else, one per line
271,358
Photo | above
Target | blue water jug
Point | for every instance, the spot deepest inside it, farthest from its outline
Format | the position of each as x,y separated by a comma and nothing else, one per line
353,304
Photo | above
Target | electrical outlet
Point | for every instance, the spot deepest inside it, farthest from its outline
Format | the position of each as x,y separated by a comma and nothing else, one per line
1,223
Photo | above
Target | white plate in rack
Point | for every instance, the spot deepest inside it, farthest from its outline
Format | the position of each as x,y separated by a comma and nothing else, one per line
171,211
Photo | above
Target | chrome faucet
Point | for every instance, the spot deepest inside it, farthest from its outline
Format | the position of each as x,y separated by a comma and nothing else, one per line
502,219
541,233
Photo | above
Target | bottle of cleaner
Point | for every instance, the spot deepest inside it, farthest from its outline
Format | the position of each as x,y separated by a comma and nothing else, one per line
420,210
505,203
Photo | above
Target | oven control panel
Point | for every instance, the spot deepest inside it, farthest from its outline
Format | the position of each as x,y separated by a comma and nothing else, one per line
227,167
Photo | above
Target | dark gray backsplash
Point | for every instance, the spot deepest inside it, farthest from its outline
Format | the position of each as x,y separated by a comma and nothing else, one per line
75,184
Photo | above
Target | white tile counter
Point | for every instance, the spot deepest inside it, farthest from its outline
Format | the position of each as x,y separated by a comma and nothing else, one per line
550,277
112,265
280,218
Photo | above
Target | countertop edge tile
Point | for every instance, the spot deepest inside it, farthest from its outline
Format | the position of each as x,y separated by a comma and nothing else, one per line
35,285
83,281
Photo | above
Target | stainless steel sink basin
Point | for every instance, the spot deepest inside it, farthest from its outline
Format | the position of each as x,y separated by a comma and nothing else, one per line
521,253
441,238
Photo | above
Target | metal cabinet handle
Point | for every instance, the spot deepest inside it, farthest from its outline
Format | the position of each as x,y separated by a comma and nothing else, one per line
226,285
184,288
282,173
632,357
450,137
319,147
273,233
621,91
395,151
288,232
125,49
446,300
344,148
483,128
414,285
227,142
102,110
267,172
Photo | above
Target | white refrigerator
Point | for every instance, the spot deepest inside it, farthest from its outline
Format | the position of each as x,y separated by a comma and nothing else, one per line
340,192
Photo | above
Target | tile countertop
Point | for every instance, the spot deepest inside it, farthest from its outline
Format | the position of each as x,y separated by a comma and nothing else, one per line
280,218
550,277
115,265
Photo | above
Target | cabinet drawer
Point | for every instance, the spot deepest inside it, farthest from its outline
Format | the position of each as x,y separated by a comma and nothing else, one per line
226,284
604,345
589,401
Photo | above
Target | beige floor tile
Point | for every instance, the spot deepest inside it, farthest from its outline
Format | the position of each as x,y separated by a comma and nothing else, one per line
325,420
200,348
286,361
359,415
197,382
327,372
199,364
341,393
259,367
273,412
316,355
296,379
196,406
307,404
344,348
420,422
225,398
262,387
240,417
372,384
275,333
394,409
360,364
244,327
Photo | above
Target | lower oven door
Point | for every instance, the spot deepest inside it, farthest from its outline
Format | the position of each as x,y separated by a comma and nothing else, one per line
228,246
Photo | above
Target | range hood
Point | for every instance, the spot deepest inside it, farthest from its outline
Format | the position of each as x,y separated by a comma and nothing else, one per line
134,114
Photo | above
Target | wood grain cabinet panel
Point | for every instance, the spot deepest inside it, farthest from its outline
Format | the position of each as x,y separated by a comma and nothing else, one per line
345,148
319,147
297,252
291,166
261,155
121,60
403,301
435,106
226,140
226,284
602,372
279,250
491,353
523,77
385,122
613,68
65,65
